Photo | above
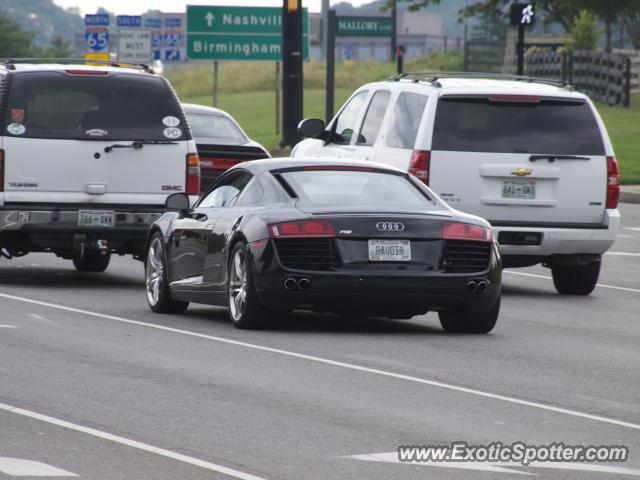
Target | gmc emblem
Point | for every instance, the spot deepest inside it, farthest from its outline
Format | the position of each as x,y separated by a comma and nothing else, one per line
171,188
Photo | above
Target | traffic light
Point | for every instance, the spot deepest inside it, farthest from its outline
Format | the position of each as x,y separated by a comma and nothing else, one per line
293,5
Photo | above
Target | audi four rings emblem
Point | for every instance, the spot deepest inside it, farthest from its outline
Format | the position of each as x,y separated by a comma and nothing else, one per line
390,226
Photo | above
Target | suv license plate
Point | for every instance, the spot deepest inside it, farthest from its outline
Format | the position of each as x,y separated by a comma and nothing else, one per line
519,189
96,218
389,250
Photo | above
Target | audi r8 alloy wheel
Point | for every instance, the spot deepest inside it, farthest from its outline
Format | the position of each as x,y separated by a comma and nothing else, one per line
156,284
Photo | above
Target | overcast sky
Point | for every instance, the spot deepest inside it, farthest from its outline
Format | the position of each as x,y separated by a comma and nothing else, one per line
128,7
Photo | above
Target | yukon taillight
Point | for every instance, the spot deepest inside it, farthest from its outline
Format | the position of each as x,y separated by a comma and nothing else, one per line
193,174
464,231
305,228
1,170
419,165
613,183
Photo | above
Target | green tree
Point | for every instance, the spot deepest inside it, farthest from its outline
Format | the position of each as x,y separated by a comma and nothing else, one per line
584,32
14,41
60,48
631,23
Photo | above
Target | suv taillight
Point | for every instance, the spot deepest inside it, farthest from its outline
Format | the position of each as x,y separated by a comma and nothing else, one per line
419,165
1,170
193,174
613,183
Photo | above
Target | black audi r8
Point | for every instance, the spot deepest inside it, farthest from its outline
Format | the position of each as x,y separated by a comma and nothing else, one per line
355,237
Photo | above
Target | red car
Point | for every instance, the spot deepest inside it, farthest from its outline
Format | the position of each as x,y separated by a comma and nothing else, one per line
220,140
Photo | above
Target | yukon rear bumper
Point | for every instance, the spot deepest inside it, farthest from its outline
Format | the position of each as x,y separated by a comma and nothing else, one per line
36,229
562,241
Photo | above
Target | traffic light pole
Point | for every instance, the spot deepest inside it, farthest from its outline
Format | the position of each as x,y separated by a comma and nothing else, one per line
332,22
520,49
292,71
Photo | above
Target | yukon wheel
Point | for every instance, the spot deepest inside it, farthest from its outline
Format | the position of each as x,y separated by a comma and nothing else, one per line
156,285
576,280
92,262
245,309
470,322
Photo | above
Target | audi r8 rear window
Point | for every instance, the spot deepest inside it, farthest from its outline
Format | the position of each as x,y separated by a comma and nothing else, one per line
481,125
354,187
77,106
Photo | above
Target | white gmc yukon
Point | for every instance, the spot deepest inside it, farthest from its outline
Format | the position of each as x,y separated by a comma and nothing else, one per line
532,157
88,155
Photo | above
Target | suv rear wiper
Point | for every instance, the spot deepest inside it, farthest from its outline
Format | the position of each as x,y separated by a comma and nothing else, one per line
553,158
138,144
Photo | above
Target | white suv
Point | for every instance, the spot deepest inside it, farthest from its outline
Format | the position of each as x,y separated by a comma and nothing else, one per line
88,155
531,156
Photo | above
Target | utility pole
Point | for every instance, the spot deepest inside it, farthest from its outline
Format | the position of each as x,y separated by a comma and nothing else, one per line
394,29
324,32
292,71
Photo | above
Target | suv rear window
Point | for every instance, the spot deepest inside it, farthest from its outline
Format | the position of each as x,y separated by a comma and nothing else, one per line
553,127
58,105
354,187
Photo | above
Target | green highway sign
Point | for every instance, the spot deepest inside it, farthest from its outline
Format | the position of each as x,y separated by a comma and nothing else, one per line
350,26
238,33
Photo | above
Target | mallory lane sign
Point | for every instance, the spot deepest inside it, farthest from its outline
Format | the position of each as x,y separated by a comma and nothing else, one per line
237,33
350,26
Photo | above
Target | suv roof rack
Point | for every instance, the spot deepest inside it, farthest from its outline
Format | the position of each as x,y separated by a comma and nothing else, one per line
433,77
11,62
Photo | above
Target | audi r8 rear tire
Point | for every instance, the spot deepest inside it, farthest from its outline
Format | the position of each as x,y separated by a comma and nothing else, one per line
156,283
576,280
92,262
245,309
470,322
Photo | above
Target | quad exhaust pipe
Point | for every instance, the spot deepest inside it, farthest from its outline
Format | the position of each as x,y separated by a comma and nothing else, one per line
477,287
291,283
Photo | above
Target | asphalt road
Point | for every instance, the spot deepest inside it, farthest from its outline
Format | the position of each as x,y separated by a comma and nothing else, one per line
95,385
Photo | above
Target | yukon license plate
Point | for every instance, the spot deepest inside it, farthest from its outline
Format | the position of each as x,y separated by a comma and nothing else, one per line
96,218
389,250
519,189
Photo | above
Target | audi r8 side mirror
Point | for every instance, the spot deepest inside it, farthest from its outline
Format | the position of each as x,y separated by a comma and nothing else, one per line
177,201
311,128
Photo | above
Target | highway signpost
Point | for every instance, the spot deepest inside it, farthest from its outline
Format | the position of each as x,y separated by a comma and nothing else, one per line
96,37
238,33
351,26
134,45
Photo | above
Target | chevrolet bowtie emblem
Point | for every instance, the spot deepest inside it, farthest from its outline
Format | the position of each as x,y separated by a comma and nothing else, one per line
522,172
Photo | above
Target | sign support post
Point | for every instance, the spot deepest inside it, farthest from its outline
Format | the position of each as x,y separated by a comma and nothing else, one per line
278,98
522,15
215,83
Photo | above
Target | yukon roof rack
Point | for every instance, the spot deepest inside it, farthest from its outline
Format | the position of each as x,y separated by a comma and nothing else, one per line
433,77
10,63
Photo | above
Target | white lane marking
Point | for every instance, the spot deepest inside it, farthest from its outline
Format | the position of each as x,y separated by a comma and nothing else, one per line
18,467
392,457
130,443
623,254
334,363
504,467
547,277
8,326
35,316
622,235
635,229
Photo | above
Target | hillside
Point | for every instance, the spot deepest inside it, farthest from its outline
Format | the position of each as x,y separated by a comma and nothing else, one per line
46,19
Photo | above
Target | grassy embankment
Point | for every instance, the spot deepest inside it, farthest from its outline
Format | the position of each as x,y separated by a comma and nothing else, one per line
246,91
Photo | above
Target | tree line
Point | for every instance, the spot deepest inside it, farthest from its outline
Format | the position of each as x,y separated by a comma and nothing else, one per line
16,42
